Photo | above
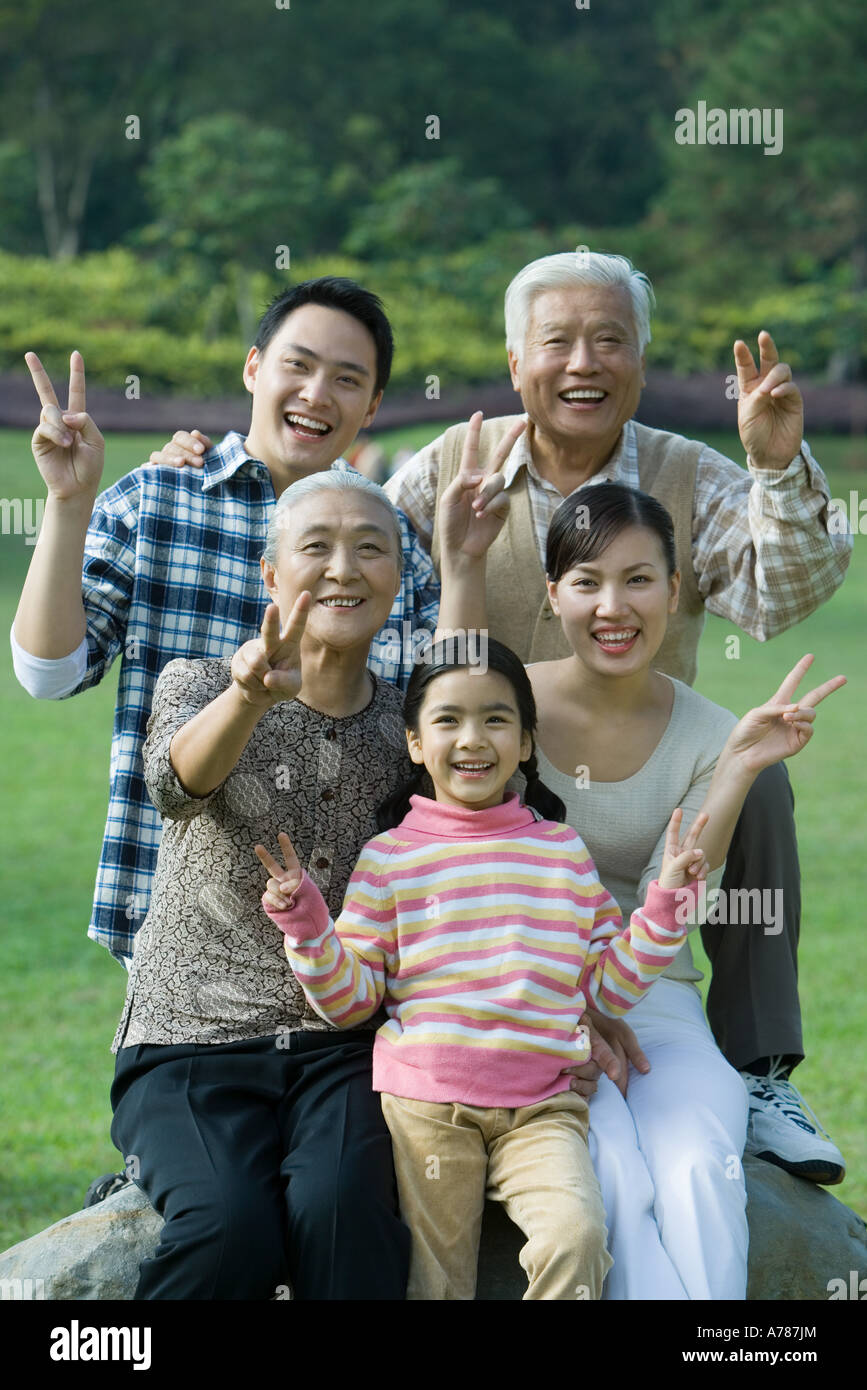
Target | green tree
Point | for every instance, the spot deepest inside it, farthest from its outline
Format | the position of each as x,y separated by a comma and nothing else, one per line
740,217
232,194
431,207
69,78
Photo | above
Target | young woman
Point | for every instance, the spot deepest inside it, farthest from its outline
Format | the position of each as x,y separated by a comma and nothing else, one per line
623,745
485,931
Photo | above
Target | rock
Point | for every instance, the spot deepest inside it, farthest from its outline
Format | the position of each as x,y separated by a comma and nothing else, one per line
93,1254
801,1238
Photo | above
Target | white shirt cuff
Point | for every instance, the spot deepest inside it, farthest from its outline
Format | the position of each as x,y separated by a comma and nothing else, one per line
48,678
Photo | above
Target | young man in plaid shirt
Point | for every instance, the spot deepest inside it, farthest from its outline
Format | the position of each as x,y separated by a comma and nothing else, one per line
165,563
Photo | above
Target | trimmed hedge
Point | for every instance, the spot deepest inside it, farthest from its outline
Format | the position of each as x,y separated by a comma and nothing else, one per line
177,330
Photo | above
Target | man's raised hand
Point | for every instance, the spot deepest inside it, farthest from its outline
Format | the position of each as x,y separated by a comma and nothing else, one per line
770,407
67,446
268,669
284,878
474,507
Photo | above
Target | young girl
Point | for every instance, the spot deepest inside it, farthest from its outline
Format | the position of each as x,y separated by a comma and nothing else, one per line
485,930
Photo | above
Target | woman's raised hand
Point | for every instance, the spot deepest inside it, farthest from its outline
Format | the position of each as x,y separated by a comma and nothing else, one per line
474,507
268,669
284,878
683,862
67,446
782,727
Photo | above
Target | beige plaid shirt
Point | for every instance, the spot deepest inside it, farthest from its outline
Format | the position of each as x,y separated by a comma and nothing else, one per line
761,550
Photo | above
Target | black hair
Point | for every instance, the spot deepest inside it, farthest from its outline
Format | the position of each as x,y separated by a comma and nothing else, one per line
588,521
335,292
447,656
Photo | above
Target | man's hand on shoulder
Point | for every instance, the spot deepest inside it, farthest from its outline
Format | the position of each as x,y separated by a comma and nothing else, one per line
182,449
770,406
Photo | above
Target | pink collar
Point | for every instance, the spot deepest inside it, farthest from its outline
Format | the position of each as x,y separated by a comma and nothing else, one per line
436,818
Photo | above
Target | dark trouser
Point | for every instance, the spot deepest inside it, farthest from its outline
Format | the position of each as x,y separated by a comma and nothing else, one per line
271,1166
752,1003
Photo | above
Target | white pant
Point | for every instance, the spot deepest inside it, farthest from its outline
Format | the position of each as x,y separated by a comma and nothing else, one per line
669,1159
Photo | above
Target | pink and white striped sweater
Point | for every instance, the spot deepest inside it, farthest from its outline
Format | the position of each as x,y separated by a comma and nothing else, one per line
486,933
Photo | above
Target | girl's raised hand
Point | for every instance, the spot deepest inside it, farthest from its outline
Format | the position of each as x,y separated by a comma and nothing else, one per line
683,862
284,878
780,728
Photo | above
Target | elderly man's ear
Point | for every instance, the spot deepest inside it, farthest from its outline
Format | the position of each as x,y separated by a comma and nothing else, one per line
513,371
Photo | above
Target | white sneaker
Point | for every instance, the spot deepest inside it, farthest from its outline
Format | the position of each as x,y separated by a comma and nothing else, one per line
784,1130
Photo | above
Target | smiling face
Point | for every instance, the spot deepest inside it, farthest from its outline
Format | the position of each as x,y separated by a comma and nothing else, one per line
313,390
469,737
580,372
341,545
615,609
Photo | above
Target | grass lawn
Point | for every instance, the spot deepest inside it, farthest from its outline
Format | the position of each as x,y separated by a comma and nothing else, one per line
61,994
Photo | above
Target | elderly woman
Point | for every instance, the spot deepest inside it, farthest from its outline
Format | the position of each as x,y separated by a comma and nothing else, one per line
252,1123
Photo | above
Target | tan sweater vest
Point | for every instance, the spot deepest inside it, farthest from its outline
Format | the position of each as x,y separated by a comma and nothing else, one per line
519,612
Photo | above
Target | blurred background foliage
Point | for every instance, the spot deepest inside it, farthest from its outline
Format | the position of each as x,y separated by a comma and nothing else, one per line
258,128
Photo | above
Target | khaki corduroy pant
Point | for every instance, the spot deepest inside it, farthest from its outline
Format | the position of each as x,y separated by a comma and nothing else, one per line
449,1157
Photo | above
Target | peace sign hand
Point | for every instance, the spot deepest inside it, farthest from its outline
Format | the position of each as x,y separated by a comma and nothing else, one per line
67,446
474,507
682,861
283,881
780,728
770,406
267,670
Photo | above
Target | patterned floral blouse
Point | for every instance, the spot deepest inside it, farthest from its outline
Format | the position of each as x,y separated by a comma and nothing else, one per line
209,964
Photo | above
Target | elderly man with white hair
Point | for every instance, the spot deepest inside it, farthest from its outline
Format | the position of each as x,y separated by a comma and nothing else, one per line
753,546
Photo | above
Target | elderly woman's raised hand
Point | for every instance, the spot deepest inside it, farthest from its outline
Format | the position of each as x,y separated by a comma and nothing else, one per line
268,669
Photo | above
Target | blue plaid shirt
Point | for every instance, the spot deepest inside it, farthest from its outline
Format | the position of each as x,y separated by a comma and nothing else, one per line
171,568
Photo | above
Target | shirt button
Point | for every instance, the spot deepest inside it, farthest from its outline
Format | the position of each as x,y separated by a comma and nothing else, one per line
329,734
328,794
322,862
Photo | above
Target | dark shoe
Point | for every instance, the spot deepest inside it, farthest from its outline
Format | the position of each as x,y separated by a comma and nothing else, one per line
103,1187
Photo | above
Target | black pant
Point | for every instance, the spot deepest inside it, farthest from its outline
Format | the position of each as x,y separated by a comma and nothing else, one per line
271,1165
752,1004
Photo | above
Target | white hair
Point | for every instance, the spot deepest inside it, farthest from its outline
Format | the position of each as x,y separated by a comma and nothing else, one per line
566,270
330,480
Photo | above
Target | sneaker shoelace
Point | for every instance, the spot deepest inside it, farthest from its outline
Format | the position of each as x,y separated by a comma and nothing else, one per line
777,1091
